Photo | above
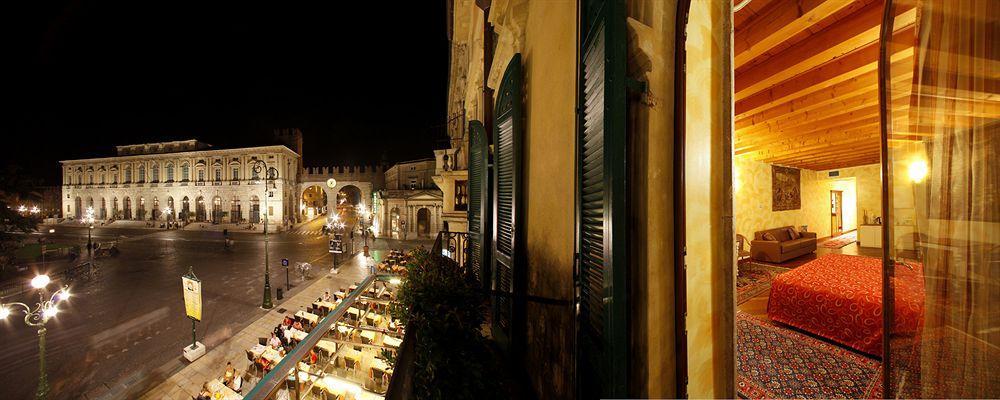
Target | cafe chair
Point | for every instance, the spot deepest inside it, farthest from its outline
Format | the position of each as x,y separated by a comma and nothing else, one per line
318,393
262,341
238,384
253,363
351,365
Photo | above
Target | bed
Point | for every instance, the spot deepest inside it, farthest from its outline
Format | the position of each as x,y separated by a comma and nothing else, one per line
839,297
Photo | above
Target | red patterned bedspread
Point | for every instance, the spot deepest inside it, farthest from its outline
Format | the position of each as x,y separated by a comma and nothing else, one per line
839,297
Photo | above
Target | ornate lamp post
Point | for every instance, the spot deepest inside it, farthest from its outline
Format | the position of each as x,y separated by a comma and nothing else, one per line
37,317
88,219
270,175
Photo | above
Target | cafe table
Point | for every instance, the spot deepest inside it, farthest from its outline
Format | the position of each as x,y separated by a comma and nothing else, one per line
391,341
368,335
381,365
327,345
222,392
257,350
325,304
339,295
313,318
297,334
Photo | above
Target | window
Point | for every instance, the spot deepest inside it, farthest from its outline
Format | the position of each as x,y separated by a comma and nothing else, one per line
270,210
479,195
218,174
155,173
201,175
141,174
601,233
413,184
170,172
461,195
185,170
236,173
507,265
128,174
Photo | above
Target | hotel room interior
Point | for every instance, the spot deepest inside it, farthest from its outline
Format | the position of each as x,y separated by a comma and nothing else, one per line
809,195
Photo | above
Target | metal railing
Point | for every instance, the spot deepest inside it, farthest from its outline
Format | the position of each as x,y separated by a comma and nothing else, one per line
288,371
454,245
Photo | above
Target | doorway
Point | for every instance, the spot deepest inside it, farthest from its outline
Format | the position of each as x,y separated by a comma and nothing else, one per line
836,213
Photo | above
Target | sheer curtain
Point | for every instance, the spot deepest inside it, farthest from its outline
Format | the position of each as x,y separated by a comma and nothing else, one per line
943,215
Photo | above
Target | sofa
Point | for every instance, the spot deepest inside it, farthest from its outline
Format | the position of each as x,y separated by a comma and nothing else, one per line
778,244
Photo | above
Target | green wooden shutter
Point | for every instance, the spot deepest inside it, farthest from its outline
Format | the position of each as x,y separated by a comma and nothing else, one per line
601,273
479,201
507,132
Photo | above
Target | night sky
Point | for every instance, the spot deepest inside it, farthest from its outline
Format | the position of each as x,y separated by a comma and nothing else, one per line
362,80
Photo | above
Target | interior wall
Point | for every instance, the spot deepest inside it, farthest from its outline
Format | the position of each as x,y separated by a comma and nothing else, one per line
710,273
849,202
868,183
752,198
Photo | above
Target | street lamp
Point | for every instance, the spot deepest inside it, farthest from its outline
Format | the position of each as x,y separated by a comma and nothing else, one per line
37,317
270,175
89,219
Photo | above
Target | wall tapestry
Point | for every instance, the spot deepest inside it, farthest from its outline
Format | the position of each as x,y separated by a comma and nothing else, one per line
786,192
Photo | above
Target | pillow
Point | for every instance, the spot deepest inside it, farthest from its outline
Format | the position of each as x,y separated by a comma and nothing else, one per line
770,236
793,233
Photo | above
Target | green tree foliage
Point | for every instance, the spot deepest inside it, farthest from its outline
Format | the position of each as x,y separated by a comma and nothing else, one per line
446,312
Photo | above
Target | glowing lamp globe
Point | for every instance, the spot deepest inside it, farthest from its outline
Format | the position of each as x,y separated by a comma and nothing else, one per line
40,281
4,312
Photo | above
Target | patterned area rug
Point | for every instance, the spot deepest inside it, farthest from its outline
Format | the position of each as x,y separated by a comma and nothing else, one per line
841,241
752,279
777,362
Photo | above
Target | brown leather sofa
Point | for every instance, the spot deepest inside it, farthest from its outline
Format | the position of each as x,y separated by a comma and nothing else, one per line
782,247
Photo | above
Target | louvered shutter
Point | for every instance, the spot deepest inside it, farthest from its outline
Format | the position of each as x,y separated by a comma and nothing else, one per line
602,333
507,133
479,201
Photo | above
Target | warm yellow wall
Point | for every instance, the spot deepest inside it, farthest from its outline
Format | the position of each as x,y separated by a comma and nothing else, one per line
849,209
550,74
752,197
710,273
868,179
651,47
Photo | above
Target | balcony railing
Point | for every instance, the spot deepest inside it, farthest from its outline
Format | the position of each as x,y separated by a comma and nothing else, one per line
336,336
455,245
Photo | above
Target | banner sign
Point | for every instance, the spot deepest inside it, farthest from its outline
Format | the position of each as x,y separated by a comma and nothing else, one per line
192,296
337,244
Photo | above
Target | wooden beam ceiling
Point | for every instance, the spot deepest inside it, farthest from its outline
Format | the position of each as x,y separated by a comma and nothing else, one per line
806,81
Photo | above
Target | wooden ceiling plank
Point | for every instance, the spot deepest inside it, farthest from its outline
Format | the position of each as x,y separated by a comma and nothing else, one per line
857,31
815,143
866,83
836,71
778,22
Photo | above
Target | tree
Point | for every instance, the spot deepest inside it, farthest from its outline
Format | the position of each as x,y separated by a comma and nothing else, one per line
15,188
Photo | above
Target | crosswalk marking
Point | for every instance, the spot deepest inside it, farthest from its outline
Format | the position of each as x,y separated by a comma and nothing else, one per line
316,232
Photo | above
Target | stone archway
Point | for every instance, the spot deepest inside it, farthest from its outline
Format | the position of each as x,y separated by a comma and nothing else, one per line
349,195
423,222
314,201
127,207
199,209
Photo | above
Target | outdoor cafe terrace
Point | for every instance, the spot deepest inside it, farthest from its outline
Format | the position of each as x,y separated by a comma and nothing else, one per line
342,346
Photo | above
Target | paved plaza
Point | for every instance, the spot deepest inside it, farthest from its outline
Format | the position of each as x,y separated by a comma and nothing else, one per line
122,334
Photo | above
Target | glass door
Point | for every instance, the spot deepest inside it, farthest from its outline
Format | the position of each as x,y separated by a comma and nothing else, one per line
940,112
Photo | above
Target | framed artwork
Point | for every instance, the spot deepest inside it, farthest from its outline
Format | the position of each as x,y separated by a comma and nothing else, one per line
786,192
